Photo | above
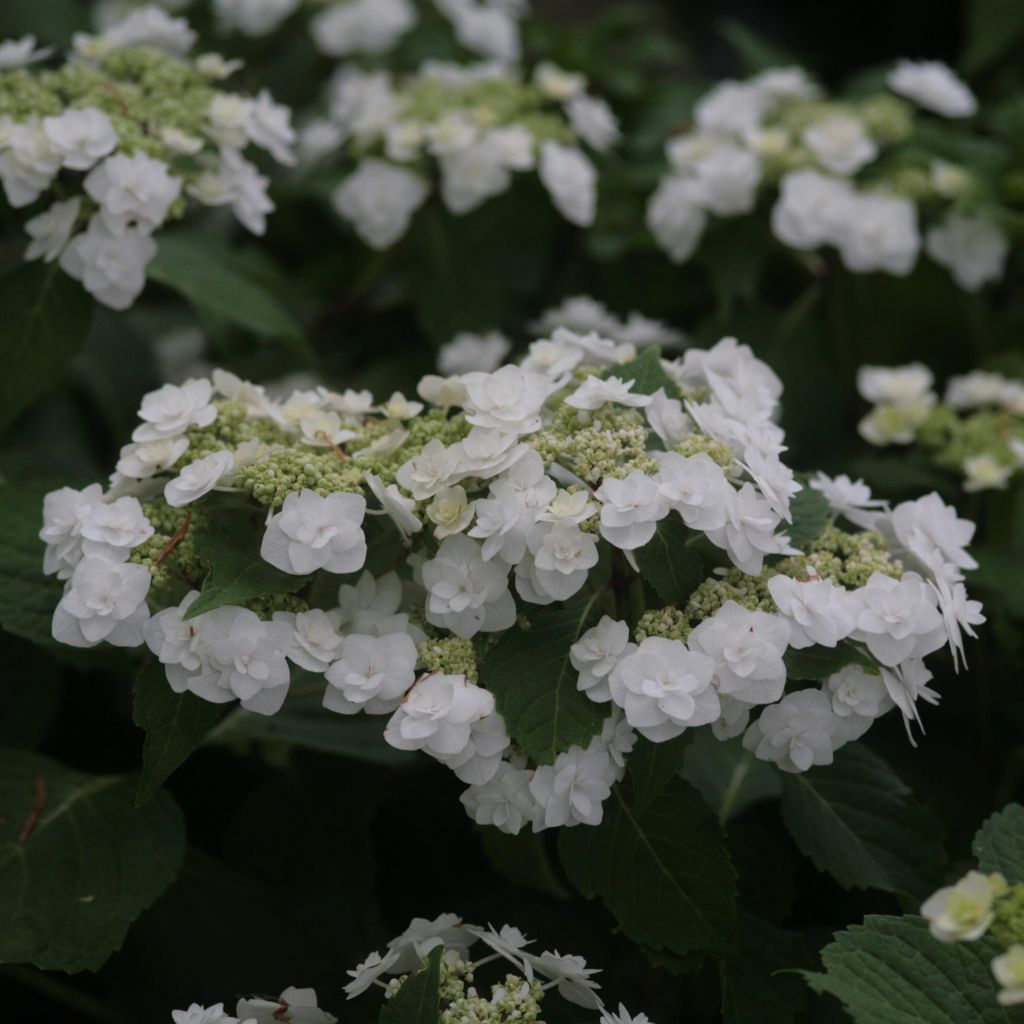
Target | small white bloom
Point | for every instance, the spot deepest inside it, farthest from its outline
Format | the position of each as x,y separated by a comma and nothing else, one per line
880,233
371,674
468,353
81,136
132,191
571,180
974,249
593,121
366,973
812,209
111,267
17,53
573,789
450,512
509,399
172,409
51,230
796,733
817,610
630,509
1008,969
294,1006
898,619
251,18
840,144
596,653
675,216
850,498
380,199
504,801
965,911
932,85
985,472
198,478
315,638
103,601
597,391
311,532
561,555
399,509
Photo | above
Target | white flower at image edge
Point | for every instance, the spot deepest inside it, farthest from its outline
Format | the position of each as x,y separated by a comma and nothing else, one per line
311,532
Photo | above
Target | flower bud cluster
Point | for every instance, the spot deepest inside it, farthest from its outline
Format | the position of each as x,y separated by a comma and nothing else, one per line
977,429
850,174
119,137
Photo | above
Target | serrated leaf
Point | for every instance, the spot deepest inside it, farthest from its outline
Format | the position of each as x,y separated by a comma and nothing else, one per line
890,970
418,1001
77,862
669,564
230,542
856,820
999,843
729,778
216,283
810,512
652,766
27,597
646,372
534,683
663,872
46,319
175,725
816,663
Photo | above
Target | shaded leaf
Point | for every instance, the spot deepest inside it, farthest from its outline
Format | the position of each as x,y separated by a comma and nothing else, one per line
646,372
523,860
418,1001
669,564
652,766
999,843
810,512
728,777
816,663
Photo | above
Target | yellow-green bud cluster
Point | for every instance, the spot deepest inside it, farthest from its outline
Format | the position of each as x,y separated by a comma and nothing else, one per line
670,623
182,565
432,425
265,606
286,472
749,592
232,427
956,438
448,654
1008,926
697,443
847,559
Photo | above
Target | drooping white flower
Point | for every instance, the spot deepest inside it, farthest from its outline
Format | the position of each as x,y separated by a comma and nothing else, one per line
571,181
379,199
561,555
17,53
103,600
573,979
132,192
311,532
399,509
840,143
81,135
928,533
630,509
113,528
172,409
51,230
965,911
850,498
371,673
898,619
818,611
198,478
906,684
293,1006
974,249
623,1017
269,126
796,733
573,789
465,593
366,973
593,121
959,615
696,487
315,638
596,653
932,85
504,801
468,352
597,391
675,216
111,267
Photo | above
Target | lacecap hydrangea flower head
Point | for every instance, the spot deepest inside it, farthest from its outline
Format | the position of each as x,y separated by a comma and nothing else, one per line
105,149
616,519
467,130
976,430
859,175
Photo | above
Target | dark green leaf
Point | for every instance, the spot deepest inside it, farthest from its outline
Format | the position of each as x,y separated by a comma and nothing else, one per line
175,724
999,843
230,542
77,862
757,54
857,820
810,512
46,319
669,564
728,777
652,766
534,683
523,860
663,872
815,664
994,29
646,372
890,970
418,1001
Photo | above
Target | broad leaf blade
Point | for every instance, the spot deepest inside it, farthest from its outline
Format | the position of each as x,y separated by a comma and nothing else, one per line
646,372
652,766
810,513
816,663
729,778
999,843
669,564
418,1001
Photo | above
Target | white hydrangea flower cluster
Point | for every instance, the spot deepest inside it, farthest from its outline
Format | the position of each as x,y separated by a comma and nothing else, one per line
119,137
470,127
502,491
515,996
825,157
984,905
977,430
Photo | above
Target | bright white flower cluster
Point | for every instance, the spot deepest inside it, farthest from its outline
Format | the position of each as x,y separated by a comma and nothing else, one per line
824,156
119,137
977,430
978,906
473,127
500,492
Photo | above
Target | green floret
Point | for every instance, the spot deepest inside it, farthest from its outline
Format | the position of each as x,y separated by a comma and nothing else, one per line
1008,926
886,118
433,425
749,592
182,565
450,655
669,622
232,427
982,432
265,607
696,443
847,559
286,472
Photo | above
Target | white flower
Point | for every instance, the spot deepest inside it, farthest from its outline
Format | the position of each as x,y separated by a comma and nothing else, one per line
17,53
574,506
596,653
561,555
558,84
504,801
731,108
974,249
597,391
850,498
371,674
51,230
929,533
81,136
361,26
445,392
906,684
796,733
371,607
1008,969
858,697
466,594
746,648
896,385
198,478
269,126
958,613
149,26
571,181
630,509
965,911
28,163
311,532
696,487
234,181
468,352
197,1014
63,513
434,468
132,191
509,399
932,85
727,175
400,509
487,452
294,1006
315,638
113,528
486,30
880,234
840,143
676,217
812,209
579,314
622,1017
817,610
380,199
573,789
749,531
253,17
103,601
471,175
593,121
898,619
975,389
111,267
985,472
172,409
450,512
413,945
366,973
571,975
663,688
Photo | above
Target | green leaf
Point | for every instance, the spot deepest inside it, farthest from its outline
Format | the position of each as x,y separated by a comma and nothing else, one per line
729,778
230,542
669,564
999,843
46,319
303,722
663,871
757,54
890,970
78,863
816,663
175,724
994,29
810,512
217,283
523,860
857,820
652,766
418,1001
646,372
534,683
27,597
